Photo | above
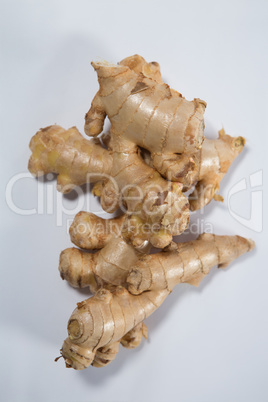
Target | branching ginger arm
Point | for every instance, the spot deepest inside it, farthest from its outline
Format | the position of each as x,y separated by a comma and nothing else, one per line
145,112
216,158
76,160
188,262
107,268
123,180
116,316
104,319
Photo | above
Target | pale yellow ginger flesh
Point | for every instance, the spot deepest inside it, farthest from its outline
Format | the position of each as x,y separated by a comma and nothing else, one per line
110,315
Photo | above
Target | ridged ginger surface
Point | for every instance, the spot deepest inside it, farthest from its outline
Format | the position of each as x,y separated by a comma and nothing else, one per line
154,152
107,317
147,113
144,112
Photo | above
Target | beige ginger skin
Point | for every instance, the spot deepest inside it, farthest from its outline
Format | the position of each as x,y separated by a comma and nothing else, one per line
109,267
123,179
65,152
147,198
104,319
185,262
145,112
89,231
108,317
212,161
154,152
216,158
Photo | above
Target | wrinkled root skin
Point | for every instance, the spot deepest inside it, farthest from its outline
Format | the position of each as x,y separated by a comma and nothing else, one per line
155,151
186,262
155,208
144,111
216,158
74,159
109,317
114,316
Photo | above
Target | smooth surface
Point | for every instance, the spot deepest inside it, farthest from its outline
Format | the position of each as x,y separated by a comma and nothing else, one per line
205,345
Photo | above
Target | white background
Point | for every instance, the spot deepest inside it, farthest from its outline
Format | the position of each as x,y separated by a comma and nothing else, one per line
205,344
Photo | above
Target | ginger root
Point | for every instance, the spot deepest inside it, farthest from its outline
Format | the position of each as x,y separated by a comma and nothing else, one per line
109,267
148,199
155,151
116,315
186,262
144,111
76,160
216,158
